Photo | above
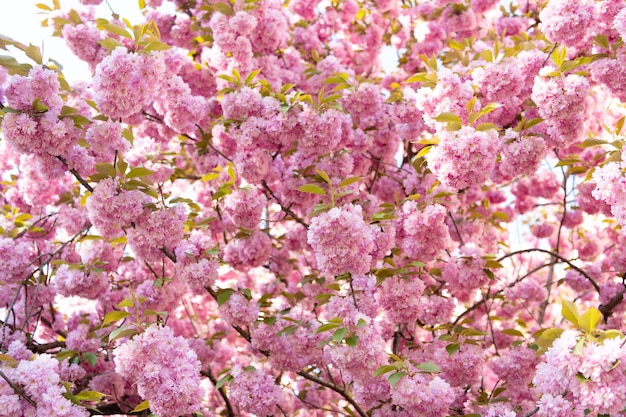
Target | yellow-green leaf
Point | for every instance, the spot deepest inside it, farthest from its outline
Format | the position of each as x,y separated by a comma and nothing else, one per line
89,396
118,30
570,312
590,319
144,405
312,188
139,172
114,315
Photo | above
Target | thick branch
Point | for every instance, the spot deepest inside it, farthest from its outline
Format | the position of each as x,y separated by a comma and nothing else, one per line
557,256
222,391
287,210
76,175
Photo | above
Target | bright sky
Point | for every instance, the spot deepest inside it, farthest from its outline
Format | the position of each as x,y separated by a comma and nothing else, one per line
21,20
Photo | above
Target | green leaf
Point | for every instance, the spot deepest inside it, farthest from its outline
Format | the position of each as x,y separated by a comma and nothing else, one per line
223,380
532,122
590,319
34,53
395,377
110,43
122,332
139,172
117,30
223,8
156,46
384,369
327,326
312,188
453,347
570,312
144,405
223,296
348,181
113,316
447,117
90,358
512,332
429,367
588,143
619,125
324,175
339,334
89,396
547,337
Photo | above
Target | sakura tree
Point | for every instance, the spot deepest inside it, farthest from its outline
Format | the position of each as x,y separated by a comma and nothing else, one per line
244,213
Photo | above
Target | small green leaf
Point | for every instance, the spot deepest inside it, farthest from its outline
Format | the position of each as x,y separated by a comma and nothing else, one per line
327,326
447,117
339,334
429,367
144,405
352,340
512,332
348,181
122,332
312,188
113,316
90,358
223,380
89,396
384,369
156,46
590,319
452,348
395,377
223,296
139,172
34,53
570,312
117,30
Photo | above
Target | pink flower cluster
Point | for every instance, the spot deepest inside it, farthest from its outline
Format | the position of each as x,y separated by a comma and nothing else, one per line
561,101
254,391
38,128
110,207
422,234
41,381
125,83
165,370
239,311
600,365
244,207
464,158
341,241
567,21
424,395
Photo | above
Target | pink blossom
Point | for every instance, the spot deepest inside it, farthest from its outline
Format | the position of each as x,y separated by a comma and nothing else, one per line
464,158
255,391
567,21
341,241
164,368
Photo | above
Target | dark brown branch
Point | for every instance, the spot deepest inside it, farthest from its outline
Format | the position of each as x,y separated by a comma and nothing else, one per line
607,309
222,391
287,210
76,175
18,390
557,256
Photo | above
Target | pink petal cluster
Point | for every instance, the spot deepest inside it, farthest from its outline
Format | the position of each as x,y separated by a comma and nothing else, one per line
110,207
561,101
464,158
567,21
422,234
254,391
126,82
244,207
341,241
165,370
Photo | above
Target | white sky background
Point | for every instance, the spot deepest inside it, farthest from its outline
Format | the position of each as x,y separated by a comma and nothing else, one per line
21,20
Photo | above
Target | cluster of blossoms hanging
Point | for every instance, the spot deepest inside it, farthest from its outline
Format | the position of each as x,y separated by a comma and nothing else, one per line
245,213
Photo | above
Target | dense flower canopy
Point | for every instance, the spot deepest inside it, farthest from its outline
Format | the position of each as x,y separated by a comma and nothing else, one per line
373,208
